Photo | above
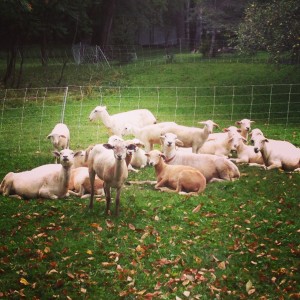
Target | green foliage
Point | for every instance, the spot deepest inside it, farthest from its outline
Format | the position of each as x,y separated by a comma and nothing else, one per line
272,26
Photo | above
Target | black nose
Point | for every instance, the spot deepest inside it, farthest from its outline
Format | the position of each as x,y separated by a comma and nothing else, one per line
169,144
256,150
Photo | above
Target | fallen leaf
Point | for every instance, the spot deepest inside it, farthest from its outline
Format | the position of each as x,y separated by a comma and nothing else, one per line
90,252
248,286
24,281
186,293
222,265
131,226
197,208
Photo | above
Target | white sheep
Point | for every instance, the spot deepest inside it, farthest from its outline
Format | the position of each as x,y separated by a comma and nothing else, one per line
108,162
148,135
213,167
192,136
47,181
80,185
60,137
115,123
130,153
80,159
139,159
277,154
245,126
176,178
246,155
222,146
220,135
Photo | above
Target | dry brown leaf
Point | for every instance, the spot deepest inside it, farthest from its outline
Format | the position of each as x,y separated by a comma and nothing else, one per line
197,208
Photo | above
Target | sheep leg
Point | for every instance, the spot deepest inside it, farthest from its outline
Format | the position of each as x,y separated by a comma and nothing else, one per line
117,208
160,183
92,180
274,166
107,197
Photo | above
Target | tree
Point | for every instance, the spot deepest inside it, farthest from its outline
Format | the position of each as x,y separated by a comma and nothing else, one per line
216,16
272,26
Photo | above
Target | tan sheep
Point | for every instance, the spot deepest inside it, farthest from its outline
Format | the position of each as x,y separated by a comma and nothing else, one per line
176,178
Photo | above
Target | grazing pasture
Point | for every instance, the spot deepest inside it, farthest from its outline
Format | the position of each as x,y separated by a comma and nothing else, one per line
236,240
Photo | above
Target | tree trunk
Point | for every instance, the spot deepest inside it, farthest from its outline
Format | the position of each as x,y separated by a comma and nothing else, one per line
212,43
21,68
10,66
102,22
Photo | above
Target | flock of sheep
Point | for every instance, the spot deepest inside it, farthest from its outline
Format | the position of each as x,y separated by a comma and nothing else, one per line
190,157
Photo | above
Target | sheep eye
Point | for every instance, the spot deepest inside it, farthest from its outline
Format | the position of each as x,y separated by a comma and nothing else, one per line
252,142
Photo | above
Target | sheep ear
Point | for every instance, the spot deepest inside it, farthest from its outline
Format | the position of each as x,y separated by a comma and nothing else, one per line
252,121
77,153
108,146
56,153
266,140
49,136
131,147
238,123
179,143
225,129
216,125
162,156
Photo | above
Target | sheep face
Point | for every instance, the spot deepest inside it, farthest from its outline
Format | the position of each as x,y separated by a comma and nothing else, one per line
120,149
66,157
170,140
154,157
259,143
245,124
209,124
96,113
56,139
254,132
126,130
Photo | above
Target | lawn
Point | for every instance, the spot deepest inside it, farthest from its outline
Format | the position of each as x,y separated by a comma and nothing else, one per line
237,240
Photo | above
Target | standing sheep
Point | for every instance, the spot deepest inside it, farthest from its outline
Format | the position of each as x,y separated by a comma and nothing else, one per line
47,181
184,180
108,162
148,135
192,136
60,137
115,123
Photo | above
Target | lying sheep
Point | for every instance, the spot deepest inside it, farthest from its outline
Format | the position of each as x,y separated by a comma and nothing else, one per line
213,167
176,178
107,161
80,185
60,137
47,181
245,154
115,123
221,146
139,159
80,159
148,135
277,154
245,126
192,136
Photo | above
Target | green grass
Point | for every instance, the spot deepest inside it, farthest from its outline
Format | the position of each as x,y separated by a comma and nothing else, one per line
238,240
